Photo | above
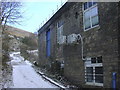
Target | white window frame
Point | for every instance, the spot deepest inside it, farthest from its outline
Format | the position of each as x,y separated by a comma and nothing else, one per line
90,17
89,64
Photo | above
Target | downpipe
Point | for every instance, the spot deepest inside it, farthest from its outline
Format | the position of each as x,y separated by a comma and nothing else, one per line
114,80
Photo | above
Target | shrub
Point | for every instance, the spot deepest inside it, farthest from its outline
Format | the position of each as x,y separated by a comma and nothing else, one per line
31,42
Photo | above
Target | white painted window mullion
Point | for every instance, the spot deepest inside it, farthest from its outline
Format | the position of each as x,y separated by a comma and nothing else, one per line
90,21
94,74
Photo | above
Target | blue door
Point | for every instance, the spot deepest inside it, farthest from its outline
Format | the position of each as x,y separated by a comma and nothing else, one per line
48,43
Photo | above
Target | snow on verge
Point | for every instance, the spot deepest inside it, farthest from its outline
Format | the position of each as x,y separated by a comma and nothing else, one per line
28,62
50,80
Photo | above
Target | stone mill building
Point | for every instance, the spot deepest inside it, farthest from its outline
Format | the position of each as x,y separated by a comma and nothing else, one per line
84,38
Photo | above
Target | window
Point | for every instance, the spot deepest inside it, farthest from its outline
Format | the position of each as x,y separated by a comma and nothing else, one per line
60,32
99,74
96,60
94,71
90,12
89,74
48,43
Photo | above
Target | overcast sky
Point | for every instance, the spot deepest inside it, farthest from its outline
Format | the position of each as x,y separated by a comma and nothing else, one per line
35,13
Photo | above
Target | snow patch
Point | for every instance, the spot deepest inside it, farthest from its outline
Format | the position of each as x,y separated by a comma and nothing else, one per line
28,62
11,36
32,51
26,77
16,58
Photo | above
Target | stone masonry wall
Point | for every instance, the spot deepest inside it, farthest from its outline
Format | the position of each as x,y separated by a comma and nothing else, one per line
99,41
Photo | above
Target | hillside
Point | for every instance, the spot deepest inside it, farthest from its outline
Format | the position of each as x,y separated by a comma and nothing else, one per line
18,32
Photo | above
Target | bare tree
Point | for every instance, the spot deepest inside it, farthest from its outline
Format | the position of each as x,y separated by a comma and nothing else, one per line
10,12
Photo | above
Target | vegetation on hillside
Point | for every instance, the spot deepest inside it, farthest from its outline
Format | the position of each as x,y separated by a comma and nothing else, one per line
31,42
28,44
5,49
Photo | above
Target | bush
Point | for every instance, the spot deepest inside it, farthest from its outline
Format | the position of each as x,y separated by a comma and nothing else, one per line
55,67
31,42
28,43
23,51
5,49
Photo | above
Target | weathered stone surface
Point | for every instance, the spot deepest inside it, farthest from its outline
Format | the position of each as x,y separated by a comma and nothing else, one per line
0,57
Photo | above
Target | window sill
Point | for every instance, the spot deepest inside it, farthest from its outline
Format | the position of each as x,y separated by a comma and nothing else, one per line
97,26
94,84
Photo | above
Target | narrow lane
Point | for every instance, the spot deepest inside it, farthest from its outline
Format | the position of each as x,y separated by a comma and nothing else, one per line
24,76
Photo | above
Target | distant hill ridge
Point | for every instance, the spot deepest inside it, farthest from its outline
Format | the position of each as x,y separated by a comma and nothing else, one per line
18,32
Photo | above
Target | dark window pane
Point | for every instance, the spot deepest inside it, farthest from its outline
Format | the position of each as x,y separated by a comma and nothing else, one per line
98,70
48,35
98,78
99,59
48,43
85,6
94,3
89,78
89,70
89,4
60,23
93,60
